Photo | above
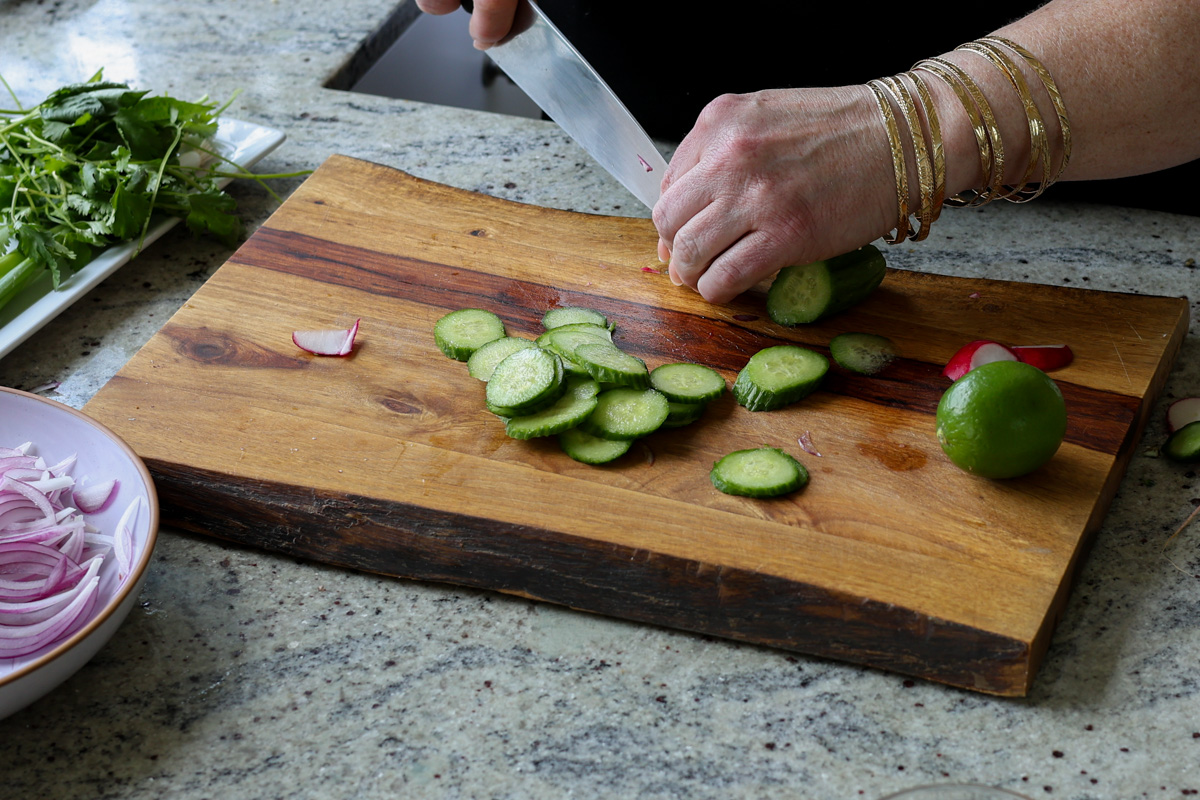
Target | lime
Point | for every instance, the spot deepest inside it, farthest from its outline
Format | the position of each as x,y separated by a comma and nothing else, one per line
1001,420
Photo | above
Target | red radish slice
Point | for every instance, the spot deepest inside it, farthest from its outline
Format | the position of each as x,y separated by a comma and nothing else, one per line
1181,412
1045,356
328,342
970,356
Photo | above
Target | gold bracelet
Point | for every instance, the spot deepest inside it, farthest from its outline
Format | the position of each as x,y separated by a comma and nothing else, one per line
903,226
1039,144
937,153
987,133
1060,108
908,110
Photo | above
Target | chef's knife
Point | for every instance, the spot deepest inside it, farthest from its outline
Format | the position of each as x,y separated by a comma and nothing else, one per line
549,69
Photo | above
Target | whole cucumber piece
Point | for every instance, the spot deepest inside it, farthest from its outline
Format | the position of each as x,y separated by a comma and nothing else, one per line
808,292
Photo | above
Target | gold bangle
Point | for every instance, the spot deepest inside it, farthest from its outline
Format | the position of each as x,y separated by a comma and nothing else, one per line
1039,144
903,227
908,110
933,127
1060,108
987,133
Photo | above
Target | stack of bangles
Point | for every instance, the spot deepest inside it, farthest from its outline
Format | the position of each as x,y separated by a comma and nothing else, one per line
919,116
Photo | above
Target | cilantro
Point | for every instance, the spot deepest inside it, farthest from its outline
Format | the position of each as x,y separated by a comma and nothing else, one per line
92,165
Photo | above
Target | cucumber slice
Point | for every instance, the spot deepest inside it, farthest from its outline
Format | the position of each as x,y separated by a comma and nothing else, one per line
588,449
777,376
1184,444
626,413
566,339
568,315
862,353
608,363
524,383
760,472
687,383
460,333
680,414
483,361
575,405
809,292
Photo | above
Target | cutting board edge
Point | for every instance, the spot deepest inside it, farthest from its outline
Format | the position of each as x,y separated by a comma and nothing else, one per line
641,585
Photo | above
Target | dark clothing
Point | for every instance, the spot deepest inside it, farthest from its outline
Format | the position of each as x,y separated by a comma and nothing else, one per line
666,66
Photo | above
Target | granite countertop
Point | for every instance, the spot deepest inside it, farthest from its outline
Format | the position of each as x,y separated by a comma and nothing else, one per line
242,674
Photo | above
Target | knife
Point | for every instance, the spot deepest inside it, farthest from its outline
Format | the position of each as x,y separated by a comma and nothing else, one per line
549,69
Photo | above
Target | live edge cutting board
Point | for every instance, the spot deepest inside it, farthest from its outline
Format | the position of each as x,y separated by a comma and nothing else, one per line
387,461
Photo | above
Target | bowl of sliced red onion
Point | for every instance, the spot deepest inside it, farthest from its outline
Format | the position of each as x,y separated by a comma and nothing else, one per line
78,523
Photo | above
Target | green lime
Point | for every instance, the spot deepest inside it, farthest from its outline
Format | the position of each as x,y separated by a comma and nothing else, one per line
1002,420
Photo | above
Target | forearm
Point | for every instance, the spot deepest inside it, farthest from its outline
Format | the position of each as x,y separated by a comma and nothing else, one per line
1128,76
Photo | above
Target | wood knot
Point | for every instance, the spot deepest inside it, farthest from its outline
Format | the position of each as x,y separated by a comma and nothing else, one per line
207,346
399,406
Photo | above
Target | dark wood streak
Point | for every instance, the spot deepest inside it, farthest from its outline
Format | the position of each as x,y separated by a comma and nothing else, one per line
208,346
1098,420
409,541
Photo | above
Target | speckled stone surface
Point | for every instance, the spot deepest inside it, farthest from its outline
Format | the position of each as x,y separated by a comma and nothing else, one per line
245,675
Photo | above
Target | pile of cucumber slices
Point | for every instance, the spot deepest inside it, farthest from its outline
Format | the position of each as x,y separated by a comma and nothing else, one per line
574,383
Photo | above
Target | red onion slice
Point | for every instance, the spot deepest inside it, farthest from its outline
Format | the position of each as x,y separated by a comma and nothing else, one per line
51,560
805,442
94,498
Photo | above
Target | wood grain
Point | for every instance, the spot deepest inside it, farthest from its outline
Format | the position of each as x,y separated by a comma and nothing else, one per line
387,462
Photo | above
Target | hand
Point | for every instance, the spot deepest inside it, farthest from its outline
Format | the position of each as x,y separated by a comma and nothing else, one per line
490,21
774,178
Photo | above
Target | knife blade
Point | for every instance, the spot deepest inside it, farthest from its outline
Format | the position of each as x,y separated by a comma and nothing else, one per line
548,68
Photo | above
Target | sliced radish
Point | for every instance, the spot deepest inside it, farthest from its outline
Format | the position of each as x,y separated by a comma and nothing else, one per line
1044,356
327,343
979,352
1181,412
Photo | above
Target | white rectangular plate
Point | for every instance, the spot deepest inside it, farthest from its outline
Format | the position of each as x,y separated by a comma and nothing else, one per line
241,142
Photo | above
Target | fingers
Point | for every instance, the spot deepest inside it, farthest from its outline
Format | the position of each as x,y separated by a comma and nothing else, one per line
438,7
491,21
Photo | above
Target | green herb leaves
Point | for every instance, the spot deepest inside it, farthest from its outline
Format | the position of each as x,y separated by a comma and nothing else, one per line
93,163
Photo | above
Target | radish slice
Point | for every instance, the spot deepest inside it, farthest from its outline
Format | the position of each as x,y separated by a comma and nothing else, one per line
328,342
977,353
1181,412
1045,356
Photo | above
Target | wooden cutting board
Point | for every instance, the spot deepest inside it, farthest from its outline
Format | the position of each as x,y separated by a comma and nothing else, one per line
386,461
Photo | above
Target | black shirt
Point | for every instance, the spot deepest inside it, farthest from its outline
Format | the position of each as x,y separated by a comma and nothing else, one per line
666,61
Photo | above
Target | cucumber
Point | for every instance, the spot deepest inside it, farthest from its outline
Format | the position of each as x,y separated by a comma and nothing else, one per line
564,340
809,292
760,472
1184,444
524,383
777,376
626,413
680,414
687,383
568,315
577,402
588,449
608,363
862,353
460,333
483,361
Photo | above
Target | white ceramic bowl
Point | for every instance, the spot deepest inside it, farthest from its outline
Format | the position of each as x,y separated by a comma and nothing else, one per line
57,431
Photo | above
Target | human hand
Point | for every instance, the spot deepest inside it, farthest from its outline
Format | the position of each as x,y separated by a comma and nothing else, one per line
490,19
770,179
